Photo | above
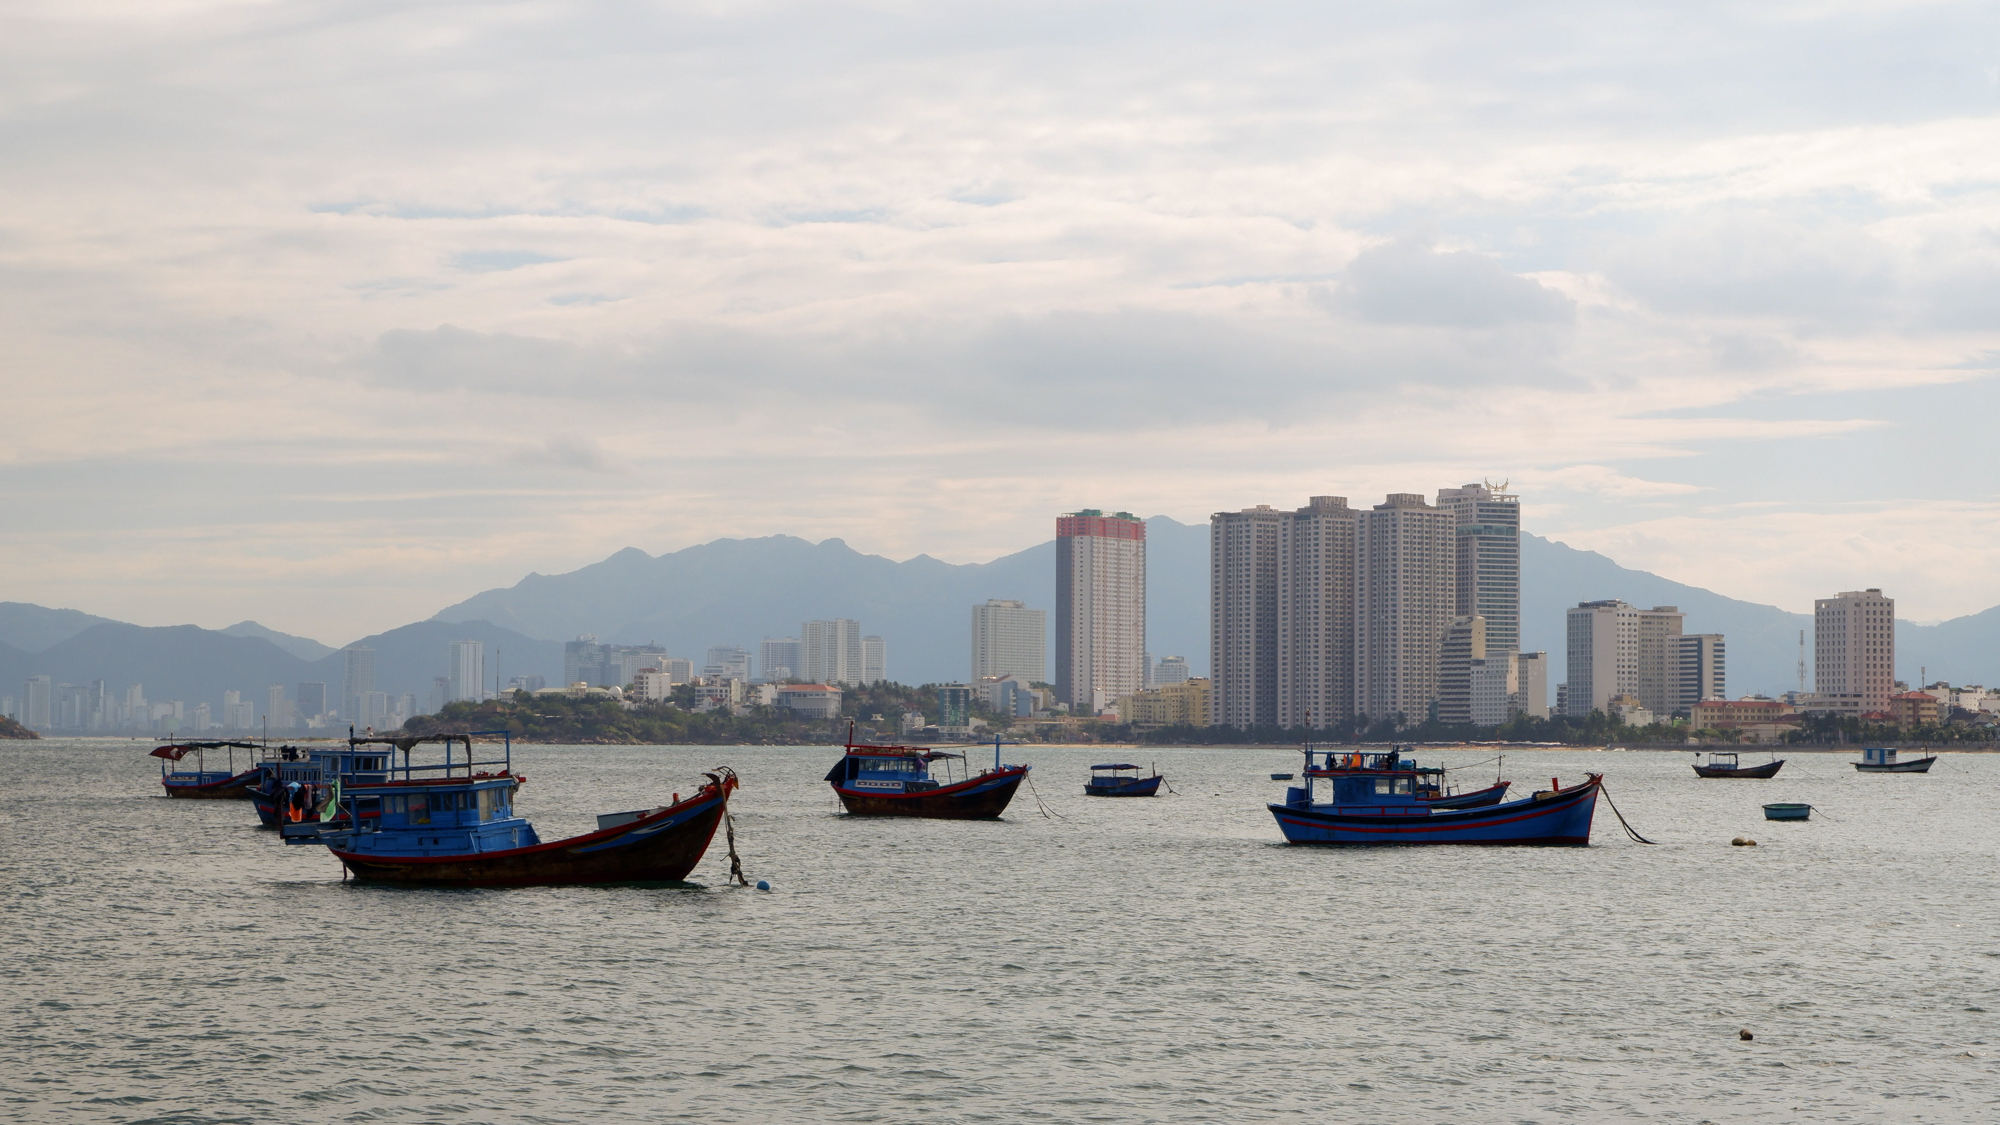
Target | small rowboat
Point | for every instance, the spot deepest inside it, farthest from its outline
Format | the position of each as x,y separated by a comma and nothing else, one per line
1882,759
1109,780
1723,764
1787,811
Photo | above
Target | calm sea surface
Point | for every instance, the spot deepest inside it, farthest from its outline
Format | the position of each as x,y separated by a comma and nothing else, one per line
1128,960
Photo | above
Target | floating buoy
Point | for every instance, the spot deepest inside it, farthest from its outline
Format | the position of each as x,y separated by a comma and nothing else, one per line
1745,1035
1742,842
763,884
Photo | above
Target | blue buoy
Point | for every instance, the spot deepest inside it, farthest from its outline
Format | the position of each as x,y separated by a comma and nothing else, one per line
763,885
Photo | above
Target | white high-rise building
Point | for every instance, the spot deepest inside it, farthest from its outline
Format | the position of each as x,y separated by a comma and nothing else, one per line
1316,588
467,672
277,709
360,678
727,661
1464,647
1493,688
1488,558
778,659
1009,639
874,660
1603,655
1170,670
1854,651
1660,659
1100,607
831,652
1532,673
1407,567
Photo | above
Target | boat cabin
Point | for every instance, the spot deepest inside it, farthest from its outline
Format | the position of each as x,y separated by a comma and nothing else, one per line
200,776
1878,755
448,807
1366,779
889,769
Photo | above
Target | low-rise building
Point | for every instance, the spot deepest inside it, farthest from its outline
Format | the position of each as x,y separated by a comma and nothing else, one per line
1626,708
1728,714
812,701
1914,709
1185,703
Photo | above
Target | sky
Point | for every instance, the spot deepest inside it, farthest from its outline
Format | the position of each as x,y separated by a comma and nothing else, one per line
330,315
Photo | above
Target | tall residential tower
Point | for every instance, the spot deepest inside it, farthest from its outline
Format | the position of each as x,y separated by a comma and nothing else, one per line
1100,607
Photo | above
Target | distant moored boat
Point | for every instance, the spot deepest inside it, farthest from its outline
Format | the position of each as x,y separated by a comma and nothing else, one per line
1882,759
201,783
896,781
1109,780
1722,763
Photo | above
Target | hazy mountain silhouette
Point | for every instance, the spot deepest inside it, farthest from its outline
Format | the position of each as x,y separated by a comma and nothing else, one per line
305,648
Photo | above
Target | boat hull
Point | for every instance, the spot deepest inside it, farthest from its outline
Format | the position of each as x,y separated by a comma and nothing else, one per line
1492,795
661,847
1915,765
1559,820
981,798
1787,812
235,788
1136,787
1768,769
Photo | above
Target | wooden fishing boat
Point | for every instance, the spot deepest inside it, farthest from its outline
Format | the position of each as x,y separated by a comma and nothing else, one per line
1371,798
1723,763
896,781
201,783
1785,810
453,825
1882,759
1110,780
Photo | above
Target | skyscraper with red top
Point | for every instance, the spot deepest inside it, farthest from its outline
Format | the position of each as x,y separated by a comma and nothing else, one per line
1100,607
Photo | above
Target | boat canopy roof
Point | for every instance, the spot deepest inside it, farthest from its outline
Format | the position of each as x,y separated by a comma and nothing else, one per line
407,741
1116,766
174,750
924,753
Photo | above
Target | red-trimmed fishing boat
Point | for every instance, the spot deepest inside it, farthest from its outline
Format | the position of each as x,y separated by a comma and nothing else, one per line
201,783
897,781
453,825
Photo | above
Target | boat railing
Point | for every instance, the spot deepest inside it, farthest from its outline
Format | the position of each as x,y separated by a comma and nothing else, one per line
467,767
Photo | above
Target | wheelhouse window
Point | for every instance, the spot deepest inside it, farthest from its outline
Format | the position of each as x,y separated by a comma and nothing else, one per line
419,809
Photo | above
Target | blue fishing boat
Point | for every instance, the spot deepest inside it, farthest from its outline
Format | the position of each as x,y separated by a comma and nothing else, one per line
202,783
896,781
1786,810
1110,780
452,823
1371,797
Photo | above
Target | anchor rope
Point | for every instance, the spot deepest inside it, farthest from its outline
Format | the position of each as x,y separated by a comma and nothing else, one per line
1629,830
1043,805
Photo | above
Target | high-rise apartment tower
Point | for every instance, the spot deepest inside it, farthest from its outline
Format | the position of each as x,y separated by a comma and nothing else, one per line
1854,651
1488,558
1100,607
1009,639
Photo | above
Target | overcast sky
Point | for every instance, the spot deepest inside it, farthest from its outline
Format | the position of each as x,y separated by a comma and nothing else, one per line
330,315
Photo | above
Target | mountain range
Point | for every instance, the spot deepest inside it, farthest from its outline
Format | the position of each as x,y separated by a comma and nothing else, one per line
738,591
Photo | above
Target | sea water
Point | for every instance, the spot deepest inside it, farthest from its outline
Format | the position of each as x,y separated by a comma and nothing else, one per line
1162,960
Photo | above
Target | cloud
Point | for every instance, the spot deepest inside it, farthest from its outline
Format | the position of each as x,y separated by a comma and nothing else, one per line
1409,282
571,451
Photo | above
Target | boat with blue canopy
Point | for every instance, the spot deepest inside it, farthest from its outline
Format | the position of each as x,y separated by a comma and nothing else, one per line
1372,797
876,780
452,823
1121,779
202,783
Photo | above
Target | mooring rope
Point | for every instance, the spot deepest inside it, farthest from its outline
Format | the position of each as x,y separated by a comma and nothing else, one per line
1629,831
1453,769
735,861
1043,805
